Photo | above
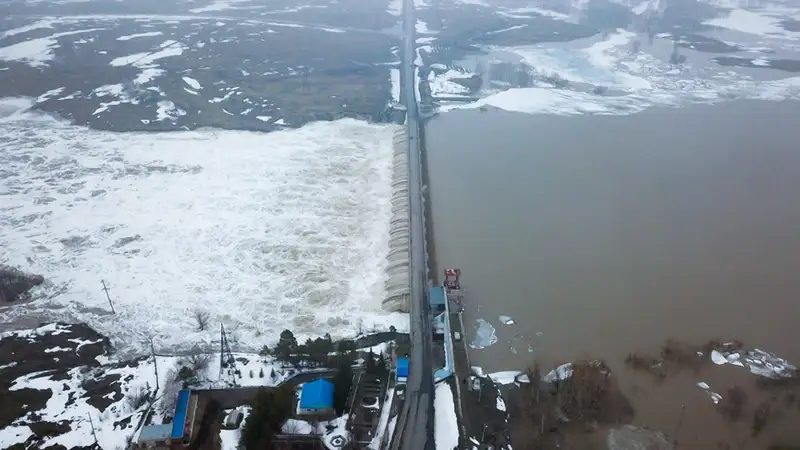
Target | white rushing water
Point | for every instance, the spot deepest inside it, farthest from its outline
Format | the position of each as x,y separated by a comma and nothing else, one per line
261,231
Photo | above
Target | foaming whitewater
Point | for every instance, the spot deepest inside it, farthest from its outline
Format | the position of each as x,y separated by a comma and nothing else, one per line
261,231
398,289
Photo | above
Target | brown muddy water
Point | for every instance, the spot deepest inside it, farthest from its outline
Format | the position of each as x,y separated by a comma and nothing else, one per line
603,236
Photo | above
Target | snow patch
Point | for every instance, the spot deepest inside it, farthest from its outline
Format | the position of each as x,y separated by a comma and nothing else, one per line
168,48
49,94
394,78
37,52
751,22
445,422
395,8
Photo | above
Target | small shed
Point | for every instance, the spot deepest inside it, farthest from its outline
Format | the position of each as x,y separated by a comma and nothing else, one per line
316,397
436,299
402,367
155,437
439,327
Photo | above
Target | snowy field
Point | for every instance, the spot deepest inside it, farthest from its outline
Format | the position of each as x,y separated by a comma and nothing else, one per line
113,394
261,231
618,70
233,64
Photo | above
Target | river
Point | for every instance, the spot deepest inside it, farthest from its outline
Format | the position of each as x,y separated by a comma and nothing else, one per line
605,235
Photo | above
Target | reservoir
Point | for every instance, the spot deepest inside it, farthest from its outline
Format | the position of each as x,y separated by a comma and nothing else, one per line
607,235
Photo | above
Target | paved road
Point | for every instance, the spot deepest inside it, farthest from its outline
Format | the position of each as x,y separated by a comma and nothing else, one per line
415,423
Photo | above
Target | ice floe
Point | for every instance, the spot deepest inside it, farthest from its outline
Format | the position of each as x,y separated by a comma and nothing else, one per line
508,377
139,35
715,397
37,52
194,84
485,335
49,94
757,361
506,320
560,373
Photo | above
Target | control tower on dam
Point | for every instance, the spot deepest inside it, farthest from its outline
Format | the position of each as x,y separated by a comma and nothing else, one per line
398,287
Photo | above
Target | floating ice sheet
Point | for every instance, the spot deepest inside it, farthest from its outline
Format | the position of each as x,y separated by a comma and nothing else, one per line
757,361
714,396
506,320
561,372
485,335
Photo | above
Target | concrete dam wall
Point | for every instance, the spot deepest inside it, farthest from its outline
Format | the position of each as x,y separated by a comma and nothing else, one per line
398,289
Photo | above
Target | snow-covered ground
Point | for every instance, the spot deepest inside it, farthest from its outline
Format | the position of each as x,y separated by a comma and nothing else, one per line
229,439
635,80
445,421
395,7
36,52
383,421
68,403
75,393
145,53
261,231
620,71
443,84
337,437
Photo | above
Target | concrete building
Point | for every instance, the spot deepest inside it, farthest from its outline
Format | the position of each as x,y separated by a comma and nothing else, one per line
155,437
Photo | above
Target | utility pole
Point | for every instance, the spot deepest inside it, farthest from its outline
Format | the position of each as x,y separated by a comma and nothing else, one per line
93,432
155,360
105,288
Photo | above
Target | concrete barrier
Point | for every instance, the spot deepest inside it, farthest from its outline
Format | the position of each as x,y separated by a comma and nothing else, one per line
398,290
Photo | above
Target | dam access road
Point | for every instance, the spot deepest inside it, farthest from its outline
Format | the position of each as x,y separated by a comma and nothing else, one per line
414,429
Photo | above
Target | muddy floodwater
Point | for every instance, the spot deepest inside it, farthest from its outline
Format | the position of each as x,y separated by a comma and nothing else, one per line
603,236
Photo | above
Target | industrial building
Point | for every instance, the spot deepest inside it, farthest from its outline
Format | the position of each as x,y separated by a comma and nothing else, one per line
180,431
316,398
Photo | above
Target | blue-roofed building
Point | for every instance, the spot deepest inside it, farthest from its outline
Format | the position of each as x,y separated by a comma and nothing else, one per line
155,437
436,299
316,397
184,418
179,419
402,368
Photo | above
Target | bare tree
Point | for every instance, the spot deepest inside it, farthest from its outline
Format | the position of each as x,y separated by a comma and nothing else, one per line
137,398
290,427
199,361
202,319
169,393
